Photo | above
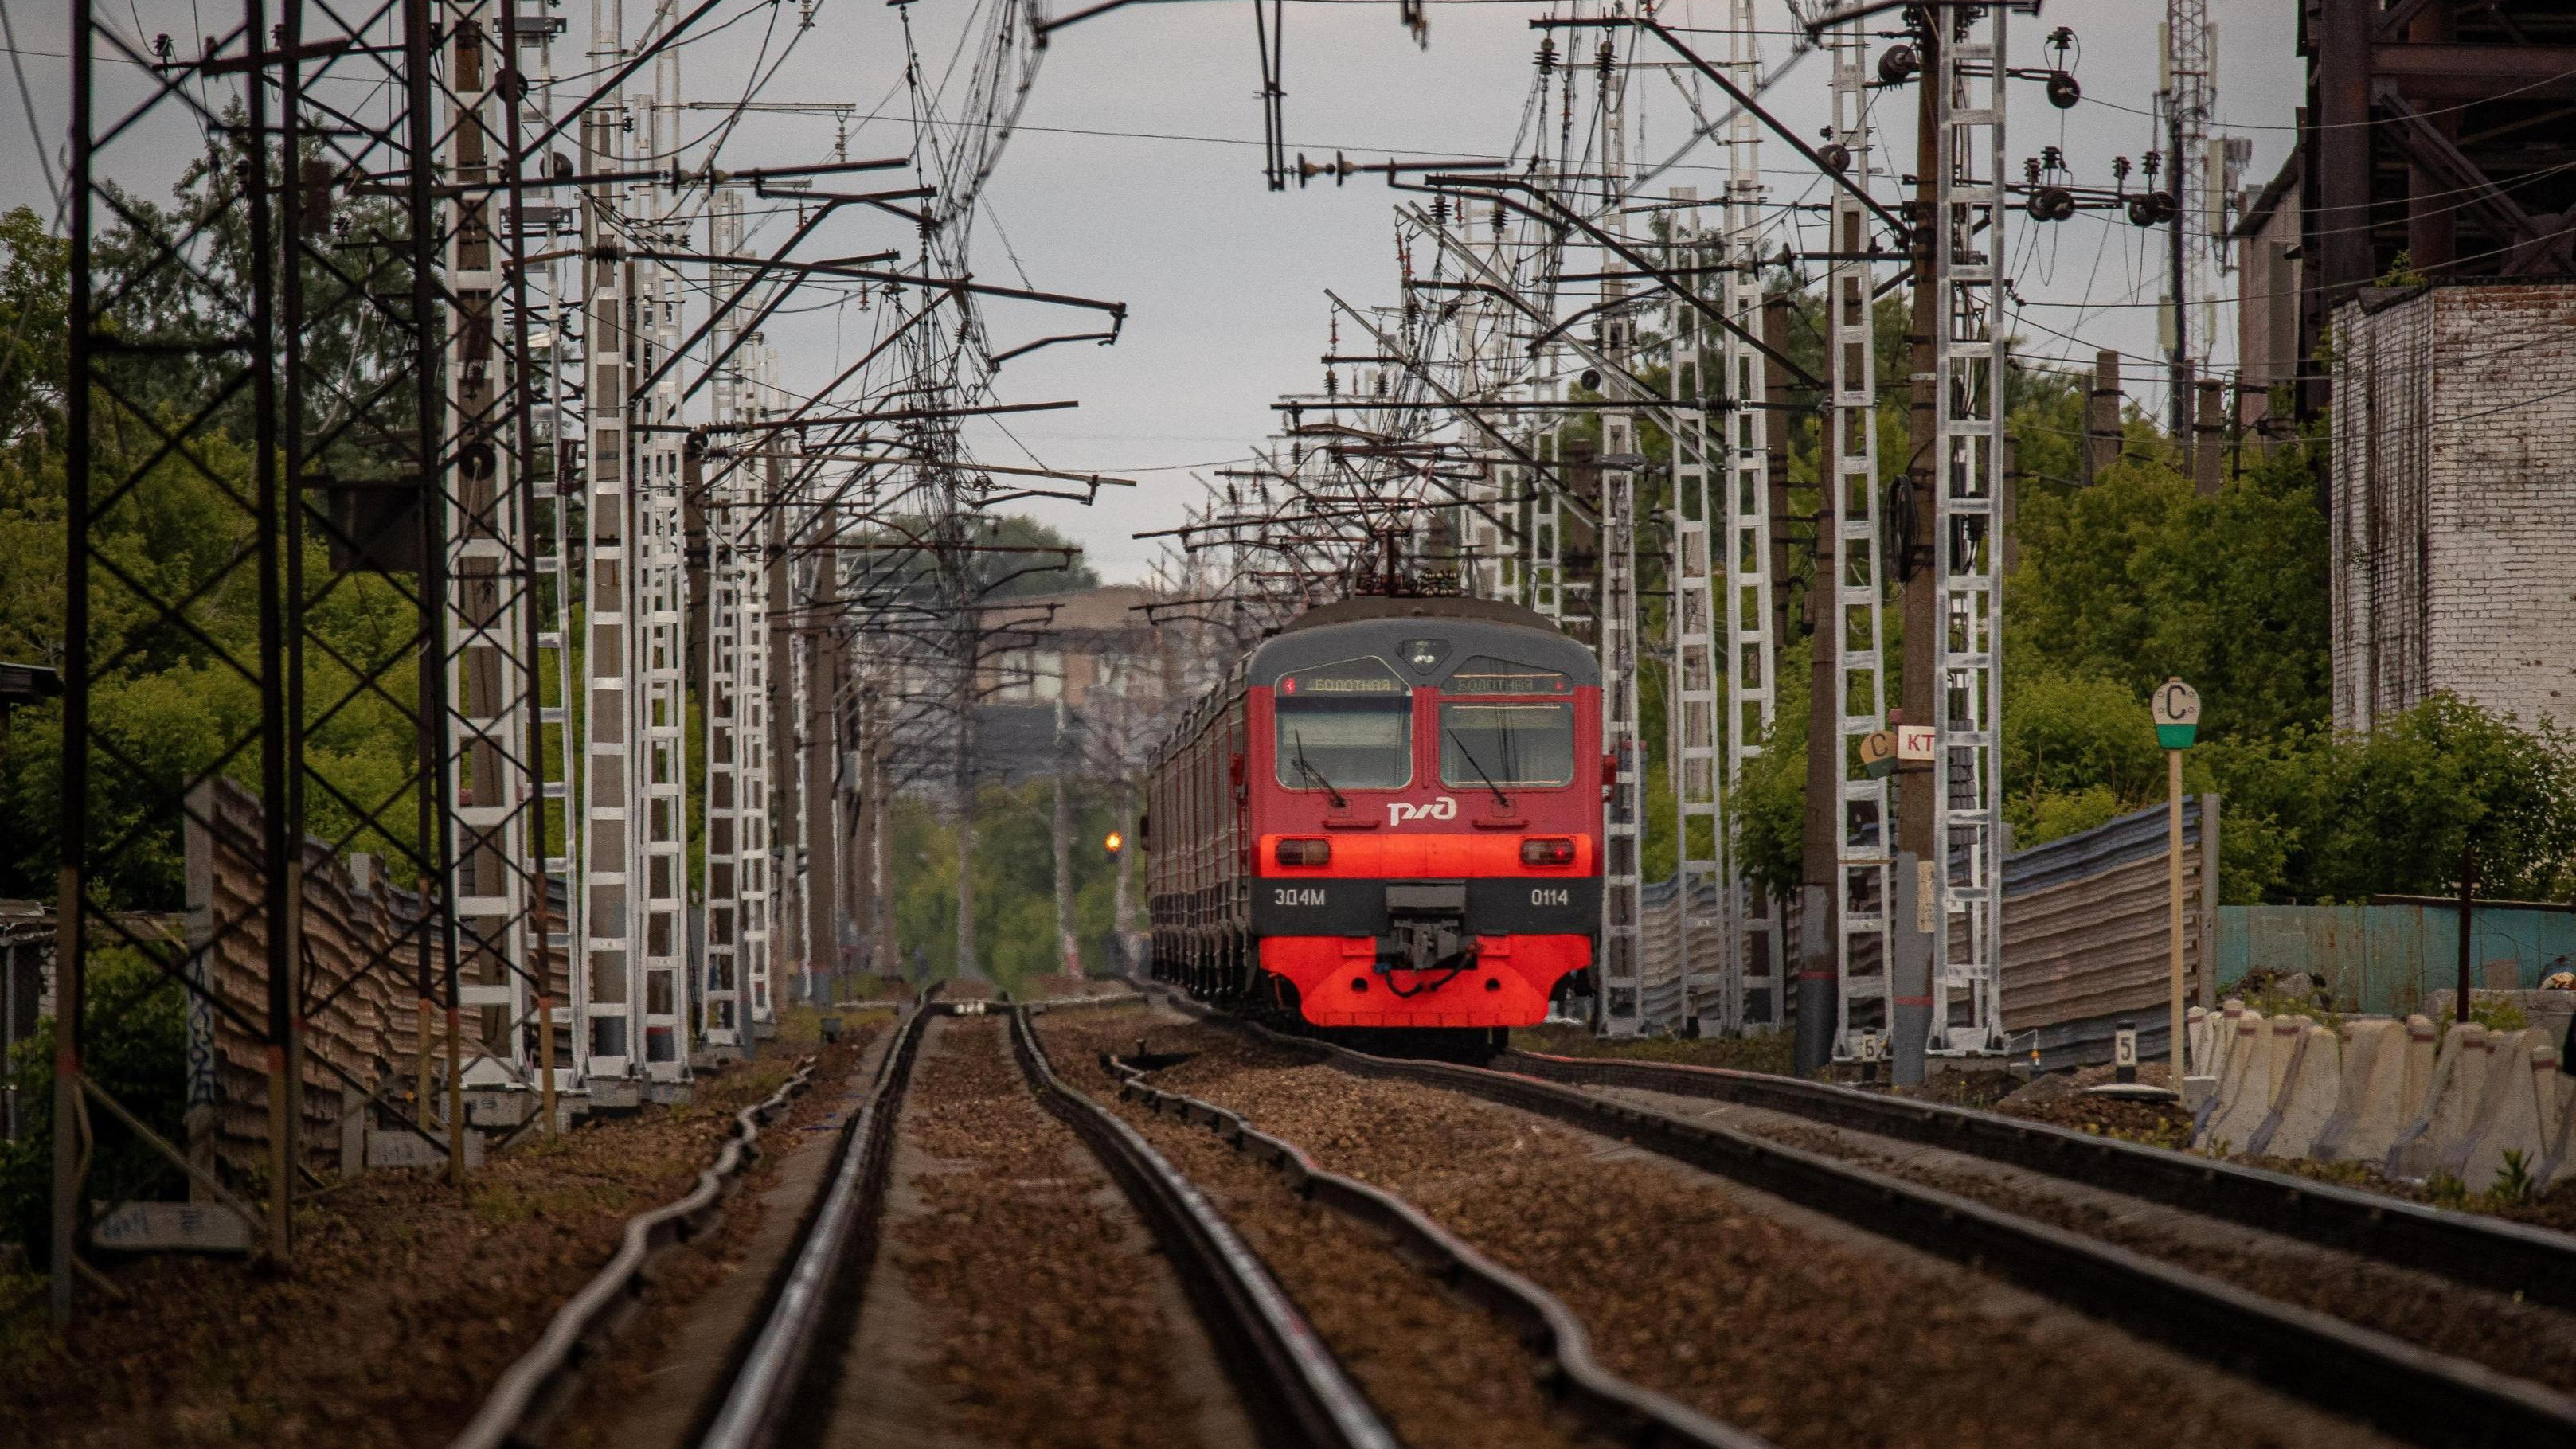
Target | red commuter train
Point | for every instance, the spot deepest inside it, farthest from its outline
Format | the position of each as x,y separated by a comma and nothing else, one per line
1388,816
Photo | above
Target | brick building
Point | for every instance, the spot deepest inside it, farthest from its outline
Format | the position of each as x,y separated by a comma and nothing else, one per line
2453,499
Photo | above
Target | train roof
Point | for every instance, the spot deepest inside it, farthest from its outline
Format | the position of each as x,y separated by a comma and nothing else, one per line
1377,624
1381,625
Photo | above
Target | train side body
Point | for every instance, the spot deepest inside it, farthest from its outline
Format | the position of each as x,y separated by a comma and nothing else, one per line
1388,816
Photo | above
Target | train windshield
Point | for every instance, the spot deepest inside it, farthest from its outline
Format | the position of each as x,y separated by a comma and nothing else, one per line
1345,726
1517,745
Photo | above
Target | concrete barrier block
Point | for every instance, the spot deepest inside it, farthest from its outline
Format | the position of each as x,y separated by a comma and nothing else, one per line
2244,1086
2510,1118
2450,1109
2562,1128
2371,1106
2283,1051
2415,1087
2311,1088
2200,1032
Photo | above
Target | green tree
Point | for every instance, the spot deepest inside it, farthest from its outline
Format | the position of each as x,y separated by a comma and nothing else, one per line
2137,578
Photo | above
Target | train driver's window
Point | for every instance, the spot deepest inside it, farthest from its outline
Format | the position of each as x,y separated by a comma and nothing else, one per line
1345,726
1525,739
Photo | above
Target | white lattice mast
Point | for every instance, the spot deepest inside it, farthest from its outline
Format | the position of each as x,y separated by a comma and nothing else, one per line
1863,825
1967,533
1753,942
1625,1008
661,584
733,577
1693,692
755,845
604,990
491,682
555,327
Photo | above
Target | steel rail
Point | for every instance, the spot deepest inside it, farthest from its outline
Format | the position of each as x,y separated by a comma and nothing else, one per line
763,1385
2408,1392
542,1381
2466,1248
1292,1389
1625,1413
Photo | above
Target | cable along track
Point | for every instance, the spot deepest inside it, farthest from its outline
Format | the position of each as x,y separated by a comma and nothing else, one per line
2407,1392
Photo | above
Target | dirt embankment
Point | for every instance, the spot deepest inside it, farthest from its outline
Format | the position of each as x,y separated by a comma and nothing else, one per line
407,1297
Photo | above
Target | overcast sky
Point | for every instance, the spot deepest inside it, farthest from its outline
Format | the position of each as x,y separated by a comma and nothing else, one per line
1135,176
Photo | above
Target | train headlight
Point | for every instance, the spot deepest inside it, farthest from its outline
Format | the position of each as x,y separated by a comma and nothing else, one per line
1547,850
1304,852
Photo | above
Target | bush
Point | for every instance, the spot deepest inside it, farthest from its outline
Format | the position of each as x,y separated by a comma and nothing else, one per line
138,1053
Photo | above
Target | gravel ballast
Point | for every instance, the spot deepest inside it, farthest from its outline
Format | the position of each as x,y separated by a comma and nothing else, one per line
2495,1330
1753,1311
1027,1307
1442,1371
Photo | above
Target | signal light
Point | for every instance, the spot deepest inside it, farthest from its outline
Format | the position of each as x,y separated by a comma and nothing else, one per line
1114,843
1552,850
1304,852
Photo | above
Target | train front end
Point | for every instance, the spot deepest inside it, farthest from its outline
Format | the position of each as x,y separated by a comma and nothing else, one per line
1425,810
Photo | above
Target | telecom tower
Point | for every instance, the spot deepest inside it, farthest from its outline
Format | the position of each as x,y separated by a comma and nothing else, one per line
2189,91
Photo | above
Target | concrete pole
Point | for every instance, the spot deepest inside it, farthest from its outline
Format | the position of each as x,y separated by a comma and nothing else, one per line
2209,438
1122,910
867,810
888,960
967,959
822,763
1067,947
2102,416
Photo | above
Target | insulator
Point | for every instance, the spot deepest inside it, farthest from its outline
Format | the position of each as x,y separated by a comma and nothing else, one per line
2052,159
1546,53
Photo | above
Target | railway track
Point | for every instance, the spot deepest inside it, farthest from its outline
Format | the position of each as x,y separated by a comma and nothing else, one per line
2402,1388
1609,1407
1286,1374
